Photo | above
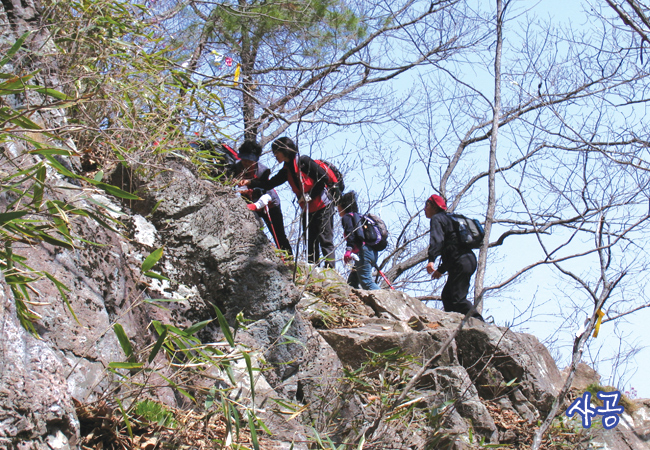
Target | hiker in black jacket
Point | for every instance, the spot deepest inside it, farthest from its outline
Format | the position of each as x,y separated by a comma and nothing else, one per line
364,256
457,261
265,204
307,180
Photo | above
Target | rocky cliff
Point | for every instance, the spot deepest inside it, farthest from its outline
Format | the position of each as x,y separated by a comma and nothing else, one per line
323,362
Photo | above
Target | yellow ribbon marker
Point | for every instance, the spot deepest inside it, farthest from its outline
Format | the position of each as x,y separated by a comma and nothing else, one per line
600,315
237,73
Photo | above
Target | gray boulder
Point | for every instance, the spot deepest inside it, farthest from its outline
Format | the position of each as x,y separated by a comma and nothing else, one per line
452,383
213,243
513,364
378,335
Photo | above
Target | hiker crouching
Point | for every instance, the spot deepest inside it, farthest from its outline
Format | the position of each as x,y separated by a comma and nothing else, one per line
365,257
265,204
308,181
459,262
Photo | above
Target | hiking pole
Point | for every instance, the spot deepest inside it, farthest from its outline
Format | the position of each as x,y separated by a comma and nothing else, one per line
275,236
383,276
306,227
295,259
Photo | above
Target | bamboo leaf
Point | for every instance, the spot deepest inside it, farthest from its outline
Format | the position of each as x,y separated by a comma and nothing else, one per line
113,190
14,48
152,259
6,217
107,207
264,427
24,122
14,85
155,275
51,151
124,415
225,328
39,187
249,367
124,340
155,207
101,221
157,347
52,93
159,327
292,340
197,327
62,288
251,425
185,393
225,407
237,421
125,365
54,241
59,167
168,300
287,326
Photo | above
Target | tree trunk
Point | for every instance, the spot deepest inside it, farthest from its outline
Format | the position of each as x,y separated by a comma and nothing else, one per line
491,206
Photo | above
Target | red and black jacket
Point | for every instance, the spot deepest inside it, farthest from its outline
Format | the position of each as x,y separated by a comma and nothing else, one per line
256,171
305,177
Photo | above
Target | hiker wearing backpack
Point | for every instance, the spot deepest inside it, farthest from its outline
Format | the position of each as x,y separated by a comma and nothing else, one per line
457,260
265,204
308,181
357,245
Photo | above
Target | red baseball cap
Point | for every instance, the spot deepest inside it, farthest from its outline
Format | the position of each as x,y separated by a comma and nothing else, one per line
438,201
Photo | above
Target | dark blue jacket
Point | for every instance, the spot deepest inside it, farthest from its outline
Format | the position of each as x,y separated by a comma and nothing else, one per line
353,230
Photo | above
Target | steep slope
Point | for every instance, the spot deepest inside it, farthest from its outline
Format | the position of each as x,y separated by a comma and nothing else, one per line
331,359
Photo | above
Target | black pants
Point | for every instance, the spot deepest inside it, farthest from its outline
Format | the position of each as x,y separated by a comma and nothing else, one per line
275,224
320,236
454,294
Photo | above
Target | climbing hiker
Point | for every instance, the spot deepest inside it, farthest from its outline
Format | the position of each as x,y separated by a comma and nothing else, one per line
457,261
357,249
264,203
307,180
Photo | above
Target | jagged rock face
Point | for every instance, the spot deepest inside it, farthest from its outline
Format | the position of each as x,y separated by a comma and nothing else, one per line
215,253
497,356
107,286
213,243
35,406
453,383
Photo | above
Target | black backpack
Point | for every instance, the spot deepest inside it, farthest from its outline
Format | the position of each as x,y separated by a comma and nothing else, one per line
334,181
375,232
470,232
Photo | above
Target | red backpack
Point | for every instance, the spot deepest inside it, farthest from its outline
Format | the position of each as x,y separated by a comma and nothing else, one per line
334,181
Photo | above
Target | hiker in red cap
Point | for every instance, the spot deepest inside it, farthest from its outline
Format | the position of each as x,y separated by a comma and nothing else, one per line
459,262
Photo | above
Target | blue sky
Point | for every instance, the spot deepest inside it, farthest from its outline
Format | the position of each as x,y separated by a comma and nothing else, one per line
543,284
